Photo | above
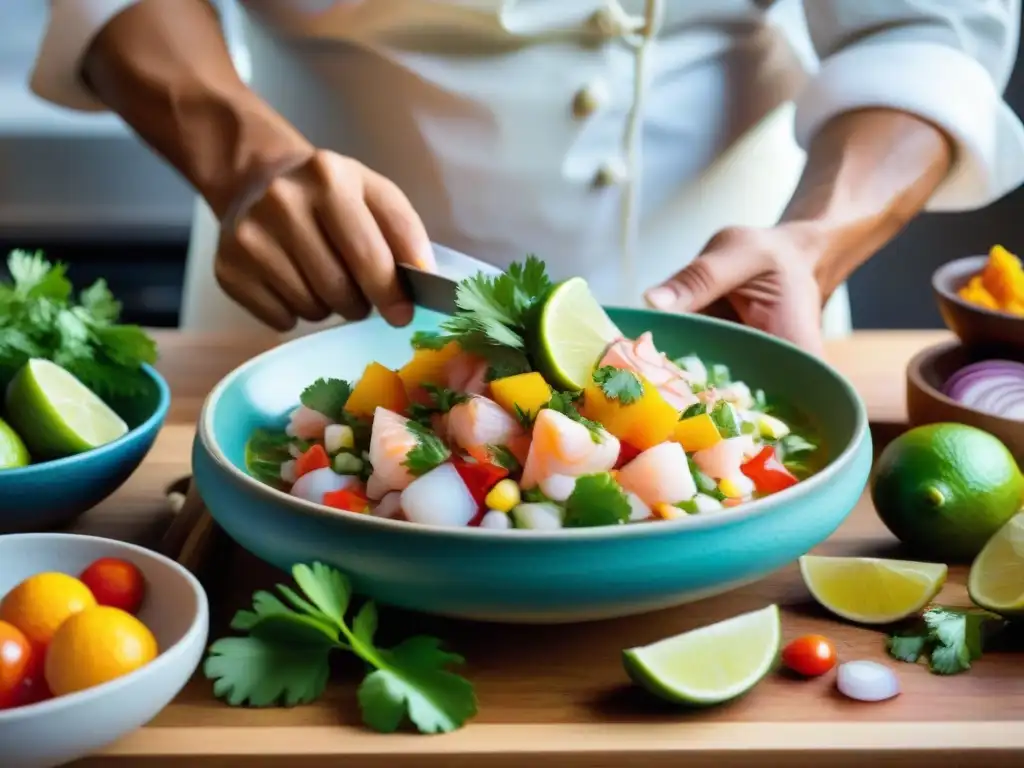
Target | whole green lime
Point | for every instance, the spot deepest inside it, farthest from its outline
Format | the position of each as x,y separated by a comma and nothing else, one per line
945,489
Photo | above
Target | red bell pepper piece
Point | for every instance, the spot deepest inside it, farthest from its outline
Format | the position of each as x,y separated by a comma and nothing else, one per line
347,500
315,457
479,477
626,454
767,472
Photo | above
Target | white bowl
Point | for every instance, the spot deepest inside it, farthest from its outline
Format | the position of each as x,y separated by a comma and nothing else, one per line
68,727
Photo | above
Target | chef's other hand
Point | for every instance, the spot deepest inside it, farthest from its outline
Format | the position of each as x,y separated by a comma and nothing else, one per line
762,277
322,238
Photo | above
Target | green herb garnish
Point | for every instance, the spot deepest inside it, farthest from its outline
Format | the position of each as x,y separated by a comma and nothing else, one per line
719,376
429,452
504,458
951,639
429,340
440,400
284,658
596,500
327,396
619,384
265,452
565,404
726,419
694,410
39,318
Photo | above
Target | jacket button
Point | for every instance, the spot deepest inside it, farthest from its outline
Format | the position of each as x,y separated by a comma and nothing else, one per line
612,172
589,99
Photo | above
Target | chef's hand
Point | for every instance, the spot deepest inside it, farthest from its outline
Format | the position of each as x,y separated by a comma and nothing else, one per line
322,238
761,277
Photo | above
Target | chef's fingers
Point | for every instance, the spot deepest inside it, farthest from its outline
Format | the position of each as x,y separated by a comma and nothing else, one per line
354,233
399,222
286,211
264,252
725,264
246,289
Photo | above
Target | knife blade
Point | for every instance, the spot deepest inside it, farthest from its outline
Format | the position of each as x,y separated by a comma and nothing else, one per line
436,290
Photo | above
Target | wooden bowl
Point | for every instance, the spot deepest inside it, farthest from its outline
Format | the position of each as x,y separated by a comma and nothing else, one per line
989,331
926,404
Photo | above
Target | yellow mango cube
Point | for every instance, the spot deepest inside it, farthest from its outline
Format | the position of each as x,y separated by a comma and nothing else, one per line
696,433
529,391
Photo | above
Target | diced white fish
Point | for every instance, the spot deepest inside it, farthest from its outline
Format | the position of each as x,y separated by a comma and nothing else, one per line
496,521
539,516
705,503
466,373
313,485
389,507
440,498
724,458
561,446
659,475
307,424
390,443
738,394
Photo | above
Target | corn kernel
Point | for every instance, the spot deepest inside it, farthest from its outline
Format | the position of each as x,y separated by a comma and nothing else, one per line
667,511
339,437
503,496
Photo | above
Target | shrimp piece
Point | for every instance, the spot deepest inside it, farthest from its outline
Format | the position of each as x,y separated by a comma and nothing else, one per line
659,475
466,373
479,422
307,424
561,446
678,394
390,443
723,459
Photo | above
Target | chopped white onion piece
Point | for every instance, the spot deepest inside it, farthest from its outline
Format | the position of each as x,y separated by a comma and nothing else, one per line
313,485
339,437
867,681
540,516
288,471
439,497
496,520
558,487
637,509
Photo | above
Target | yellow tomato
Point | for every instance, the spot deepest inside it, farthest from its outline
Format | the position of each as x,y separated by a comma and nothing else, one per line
40,604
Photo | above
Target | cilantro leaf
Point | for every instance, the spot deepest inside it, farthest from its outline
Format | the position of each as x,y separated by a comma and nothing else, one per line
430,340
694,410
596,500
413,681
326,588
364,626
907,648
504,458
265,452
726,419
260,673
619,384
327,396
430,450
565,404
951,638
440,401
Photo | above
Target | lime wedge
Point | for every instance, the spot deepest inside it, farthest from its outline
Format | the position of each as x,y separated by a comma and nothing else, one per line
573,335
13,452
996,582
870,590
56,414
712,664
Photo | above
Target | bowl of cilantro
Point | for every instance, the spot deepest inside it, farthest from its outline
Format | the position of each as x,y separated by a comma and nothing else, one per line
334,447
81,404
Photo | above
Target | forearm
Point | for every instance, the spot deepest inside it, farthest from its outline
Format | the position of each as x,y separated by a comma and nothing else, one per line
164,67
868,173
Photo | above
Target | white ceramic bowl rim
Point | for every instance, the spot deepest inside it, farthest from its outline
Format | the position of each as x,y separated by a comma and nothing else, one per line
165,658
940,282
721,518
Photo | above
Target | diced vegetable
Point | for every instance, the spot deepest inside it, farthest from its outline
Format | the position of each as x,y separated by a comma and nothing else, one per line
495,520
379,387
705,483
700,504
719,376
427,366
347,464
643,423
347,499
541,516
638,510
726,418
659,474
439,497
668,511
723,459
313,485
479,477
737,487
694,366
503,496
558,487
767,472
339,437
527,391
770,427
626,454
696,433
288,471
314,458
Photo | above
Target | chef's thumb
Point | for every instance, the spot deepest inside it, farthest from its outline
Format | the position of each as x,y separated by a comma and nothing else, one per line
711,276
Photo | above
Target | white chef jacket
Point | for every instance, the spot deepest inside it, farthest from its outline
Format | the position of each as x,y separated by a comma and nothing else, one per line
610,137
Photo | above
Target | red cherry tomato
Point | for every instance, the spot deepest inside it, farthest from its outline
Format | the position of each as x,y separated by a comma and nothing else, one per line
115,583
16,664
810,655
767,472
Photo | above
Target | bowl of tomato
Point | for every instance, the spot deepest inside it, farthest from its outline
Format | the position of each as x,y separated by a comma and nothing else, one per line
96,637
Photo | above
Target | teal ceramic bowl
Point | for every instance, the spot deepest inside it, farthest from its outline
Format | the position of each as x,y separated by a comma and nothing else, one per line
51,494
533,576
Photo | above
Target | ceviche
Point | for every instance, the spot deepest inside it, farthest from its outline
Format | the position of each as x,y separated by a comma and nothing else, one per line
529,410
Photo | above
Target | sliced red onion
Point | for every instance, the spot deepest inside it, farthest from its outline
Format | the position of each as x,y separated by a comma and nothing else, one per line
991,386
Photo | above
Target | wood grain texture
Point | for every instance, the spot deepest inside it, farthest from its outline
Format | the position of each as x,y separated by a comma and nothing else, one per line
559,693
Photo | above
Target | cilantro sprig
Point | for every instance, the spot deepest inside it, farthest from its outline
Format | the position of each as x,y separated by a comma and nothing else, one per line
40,318
440,400
284,658
596,500
950,638
429,451
619,384
329,396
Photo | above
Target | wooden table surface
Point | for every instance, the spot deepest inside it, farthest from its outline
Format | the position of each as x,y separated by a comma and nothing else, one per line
559,693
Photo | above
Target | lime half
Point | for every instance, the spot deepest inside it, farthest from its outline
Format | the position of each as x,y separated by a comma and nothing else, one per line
13,452
996,582
574,332
870,590
712,664
56,414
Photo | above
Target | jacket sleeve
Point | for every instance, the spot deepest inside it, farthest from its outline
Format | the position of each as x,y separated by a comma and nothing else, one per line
72,26
946,62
